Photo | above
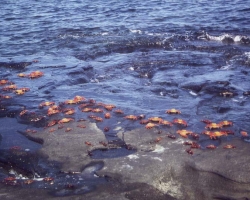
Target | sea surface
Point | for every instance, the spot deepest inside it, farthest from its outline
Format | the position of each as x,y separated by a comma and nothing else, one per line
145,57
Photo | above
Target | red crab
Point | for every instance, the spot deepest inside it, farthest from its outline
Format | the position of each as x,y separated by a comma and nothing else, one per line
184,133
213,126
211,146
180,122
173,111
65,120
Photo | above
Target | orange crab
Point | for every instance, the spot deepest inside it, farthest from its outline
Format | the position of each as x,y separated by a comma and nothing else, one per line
131,117
109,107
46,103
10,87
213,126
144,121
180,122
229,146
173,111
86,109
52,111
19,92
48,179
25,89
88,143
52,130
22,75
83,105
244,133
23,112
10,181
150,125
155,119
81,126
165,122
226,123
29,181
97,110
98,119
65,120
52,123
3,82
107,115
6,97
118,111
184,133
211,146
79,98
215,134
35,74
70,101
70,112
68,129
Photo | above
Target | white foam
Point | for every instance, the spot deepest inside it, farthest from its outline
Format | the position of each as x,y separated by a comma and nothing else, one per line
133,157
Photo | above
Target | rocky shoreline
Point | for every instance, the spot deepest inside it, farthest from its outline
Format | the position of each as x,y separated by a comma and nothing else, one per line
153,166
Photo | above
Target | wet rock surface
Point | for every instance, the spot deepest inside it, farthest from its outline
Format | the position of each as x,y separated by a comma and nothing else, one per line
156,167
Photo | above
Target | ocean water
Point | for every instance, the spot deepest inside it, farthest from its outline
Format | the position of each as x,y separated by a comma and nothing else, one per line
143,56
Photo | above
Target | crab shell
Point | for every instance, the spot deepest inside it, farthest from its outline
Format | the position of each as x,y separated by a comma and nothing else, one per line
214,135
86,109
68,129
184,133
118,111
107,115
155,119
211,146
70,101
79,98
19,92
98,119
48,179
3,82
52,123
180,121
244,133
97,110
229,146
109,107
132,117
81,126
23,112
144,121
213,126
47,103
173,111
226,123
150,125
165,122
70,112
65,120
22,75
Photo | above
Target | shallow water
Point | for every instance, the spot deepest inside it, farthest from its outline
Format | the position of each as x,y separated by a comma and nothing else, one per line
144,57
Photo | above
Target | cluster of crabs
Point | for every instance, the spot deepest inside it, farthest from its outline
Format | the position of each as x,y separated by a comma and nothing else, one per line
100,111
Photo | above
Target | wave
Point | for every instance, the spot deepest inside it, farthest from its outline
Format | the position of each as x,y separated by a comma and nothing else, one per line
226,38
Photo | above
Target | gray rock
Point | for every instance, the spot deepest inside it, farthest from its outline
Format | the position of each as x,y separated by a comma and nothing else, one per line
159,169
